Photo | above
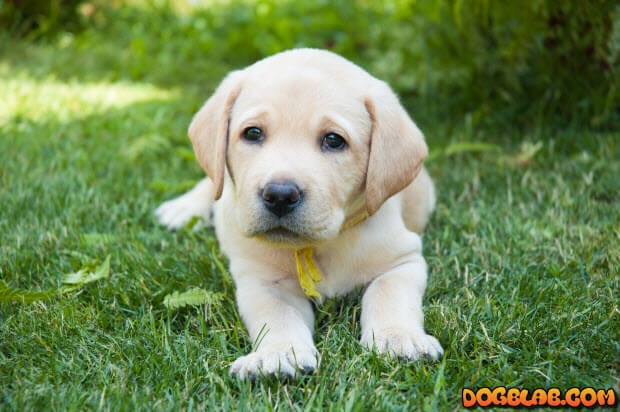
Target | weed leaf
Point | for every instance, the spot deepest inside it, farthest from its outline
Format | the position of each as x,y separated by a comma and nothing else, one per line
71,281
463,147
9,294
193,297
84,275
523,157
97,239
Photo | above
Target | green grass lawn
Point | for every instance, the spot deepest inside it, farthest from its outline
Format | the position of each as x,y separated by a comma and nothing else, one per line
523,252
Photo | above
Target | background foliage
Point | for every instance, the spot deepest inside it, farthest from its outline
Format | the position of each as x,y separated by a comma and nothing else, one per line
525,62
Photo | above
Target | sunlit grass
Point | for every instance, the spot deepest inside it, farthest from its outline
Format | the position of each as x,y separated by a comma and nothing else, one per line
40,99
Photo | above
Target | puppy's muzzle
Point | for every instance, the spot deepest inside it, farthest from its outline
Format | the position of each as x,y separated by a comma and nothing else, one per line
281,198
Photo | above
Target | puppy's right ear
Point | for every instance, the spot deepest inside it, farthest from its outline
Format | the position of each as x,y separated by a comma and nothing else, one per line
208,130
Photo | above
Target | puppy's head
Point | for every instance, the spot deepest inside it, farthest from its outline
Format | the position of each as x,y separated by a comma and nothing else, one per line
309,140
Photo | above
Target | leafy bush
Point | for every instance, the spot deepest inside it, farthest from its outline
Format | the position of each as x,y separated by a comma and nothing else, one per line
526,60
525,63
23,17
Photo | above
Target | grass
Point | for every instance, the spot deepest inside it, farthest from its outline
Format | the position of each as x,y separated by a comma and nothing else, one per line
523,251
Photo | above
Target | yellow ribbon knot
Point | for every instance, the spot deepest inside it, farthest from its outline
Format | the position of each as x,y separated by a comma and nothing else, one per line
307,272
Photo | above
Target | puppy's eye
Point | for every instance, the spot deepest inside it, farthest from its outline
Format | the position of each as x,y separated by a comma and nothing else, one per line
333,142
253,134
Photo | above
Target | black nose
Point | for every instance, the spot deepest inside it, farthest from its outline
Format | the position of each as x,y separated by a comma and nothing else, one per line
281,198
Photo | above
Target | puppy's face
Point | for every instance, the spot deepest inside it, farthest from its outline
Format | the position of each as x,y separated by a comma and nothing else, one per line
297,154
309,140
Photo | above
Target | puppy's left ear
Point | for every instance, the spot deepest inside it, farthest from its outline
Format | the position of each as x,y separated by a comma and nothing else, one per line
397,147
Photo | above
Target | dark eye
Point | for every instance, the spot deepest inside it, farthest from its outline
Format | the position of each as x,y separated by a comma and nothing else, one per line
253,134
333,142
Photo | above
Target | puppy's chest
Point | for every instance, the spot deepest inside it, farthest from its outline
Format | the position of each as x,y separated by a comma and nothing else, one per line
341,277
345,267
362,254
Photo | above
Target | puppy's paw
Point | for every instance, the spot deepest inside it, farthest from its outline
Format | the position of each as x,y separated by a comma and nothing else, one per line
403,343
177,212
280,363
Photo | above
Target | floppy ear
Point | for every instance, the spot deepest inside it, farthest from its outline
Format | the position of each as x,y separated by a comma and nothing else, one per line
397,147
208,130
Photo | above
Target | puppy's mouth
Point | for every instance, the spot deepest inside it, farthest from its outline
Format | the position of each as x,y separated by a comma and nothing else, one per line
289,231
283,235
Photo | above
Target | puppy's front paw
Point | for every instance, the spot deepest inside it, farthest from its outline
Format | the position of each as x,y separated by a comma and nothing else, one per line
177,212
273,362
403,343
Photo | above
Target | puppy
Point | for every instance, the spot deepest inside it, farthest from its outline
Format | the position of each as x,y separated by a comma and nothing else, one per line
316,187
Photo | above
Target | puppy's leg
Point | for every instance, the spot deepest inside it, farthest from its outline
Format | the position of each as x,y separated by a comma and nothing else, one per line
179,211
418,201
280,321
392,317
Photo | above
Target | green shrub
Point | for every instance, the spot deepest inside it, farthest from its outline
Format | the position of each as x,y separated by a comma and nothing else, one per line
530,60
524,62
22,17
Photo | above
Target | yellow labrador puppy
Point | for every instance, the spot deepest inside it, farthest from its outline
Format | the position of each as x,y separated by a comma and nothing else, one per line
316,188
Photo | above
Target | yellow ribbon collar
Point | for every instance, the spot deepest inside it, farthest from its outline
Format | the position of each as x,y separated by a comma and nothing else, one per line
307,272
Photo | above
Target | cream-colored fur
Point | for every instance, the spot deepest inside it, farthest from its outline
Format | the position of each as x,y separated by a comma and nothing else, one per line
295,98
